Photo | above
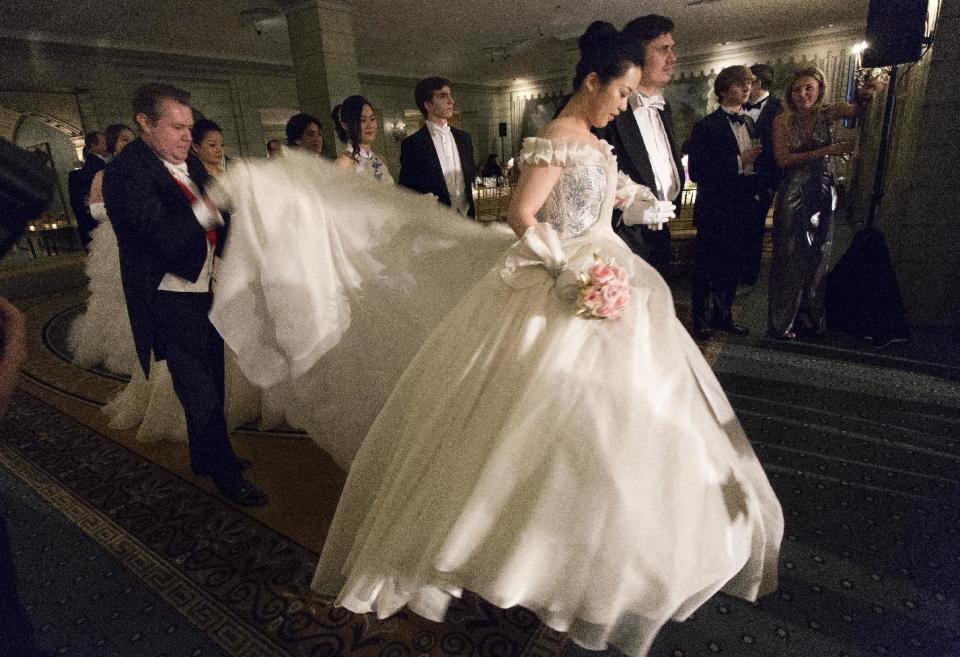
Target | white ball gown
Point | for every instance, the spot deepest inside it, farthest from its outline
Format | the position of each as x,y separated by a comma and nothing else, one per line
102,335
589,470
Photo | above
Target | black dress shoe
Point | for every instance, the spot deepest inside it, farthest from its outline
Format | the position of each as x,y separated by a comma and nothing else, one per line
789,336
731,328
240,491
242,464
702,334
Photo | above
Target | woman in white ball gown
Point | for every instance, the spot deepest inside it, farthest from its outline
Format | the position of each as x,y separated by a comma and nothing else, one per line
101,335
590,470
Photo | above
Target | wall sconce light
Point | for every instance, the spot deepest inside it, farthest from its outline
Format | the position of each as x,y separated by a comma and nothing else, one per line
262,19
397,130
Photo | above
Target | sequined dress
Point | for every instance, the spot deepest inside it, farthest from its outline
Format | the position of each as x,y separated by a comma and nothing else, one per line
589,470
802,236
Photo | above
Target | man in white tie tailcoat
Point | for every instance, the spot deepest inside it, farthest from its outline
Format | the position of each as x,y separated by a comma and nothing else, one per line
643,141
438,158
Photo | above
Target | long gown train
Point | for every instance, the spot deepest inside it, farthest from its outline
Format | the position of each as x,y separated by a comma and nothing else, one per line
592,471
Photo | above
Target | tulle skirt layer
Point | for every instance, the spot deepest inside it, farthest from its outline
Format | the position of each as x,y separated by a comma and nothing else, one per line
152,407
102,335
590,470
575,467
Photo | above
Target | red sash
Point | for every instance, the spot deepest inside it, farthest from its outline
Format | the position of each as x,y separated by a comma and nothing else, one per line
212,233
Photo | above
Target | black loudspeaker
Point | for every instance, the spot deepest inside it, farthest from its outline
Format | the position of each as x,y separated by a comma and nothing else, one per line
503,129
895,32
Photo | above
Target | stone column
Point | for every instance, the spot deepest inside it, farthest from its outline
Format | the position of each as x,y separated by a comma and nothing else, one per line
324,58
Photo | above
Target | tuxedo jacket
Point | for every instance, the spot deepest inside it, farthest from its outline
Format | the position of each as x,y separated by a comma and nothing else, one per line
78,187
766,164
724,195
623,134
420,168
157,232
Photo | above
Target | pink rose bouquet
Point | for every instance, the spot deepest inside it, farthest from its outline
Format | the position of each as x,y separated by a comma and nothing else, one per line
604,290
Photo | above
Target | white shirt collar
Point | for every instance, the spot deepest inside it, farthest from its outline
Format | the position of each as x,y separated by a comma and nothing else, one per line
638,100
366,155
438,129
176,168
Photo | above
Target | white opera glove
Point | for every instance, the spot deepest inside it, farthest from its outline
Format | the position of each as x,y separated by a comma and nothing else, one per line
540,255
653,213
640,205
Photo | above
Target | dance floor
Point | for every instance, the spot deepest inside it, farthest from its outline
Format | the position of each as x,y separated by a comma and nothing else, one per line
861,447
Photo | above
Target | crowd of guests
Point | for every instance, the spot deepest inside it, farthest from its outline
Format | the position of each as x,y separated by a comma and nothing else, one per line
749,151
740,156
165,233
489,397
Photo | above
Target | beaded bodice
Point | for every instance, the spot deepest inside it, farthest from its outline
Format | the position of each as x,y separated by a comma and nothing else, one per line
576,202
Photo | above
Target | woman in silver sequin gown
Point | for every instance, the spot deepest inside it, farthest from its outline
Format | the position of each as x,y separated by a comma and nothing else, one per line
806,199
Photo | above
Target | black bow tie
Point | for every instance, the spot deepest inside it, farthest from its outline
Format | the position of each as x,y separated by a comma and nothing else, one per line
735,118
752,106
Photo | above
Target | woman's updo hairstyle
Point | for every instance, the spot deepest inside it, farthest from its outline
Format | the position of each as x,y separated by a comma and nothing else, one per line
201,128
346,122
604,51
112,133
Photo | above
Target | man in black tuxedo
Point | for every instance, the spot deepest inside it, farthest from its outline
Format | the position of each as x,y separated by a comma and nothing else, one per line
721,163
763,108
79,181
168,233
643,140
438,159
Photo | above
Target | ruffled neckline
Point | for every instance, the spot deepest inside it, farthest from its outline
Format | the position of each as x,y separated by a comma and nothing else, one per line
365,155
564,152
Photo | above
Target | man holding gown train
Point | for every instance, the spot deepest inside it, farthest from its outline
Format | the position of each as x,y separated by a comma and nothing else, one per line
168,234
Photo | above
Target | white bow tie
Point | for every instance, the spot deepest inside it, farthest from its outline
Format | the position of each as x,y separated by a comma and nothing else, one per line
656,102
178,170
441,129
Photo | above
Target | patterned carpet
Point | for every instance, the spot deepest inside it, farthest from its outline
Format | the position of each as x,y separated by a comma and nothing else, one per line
83,600
862,449
236,580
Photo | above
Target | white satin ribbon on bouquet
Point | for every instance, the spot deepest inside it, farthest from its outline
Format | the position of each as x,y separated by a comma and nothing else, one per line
543,256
